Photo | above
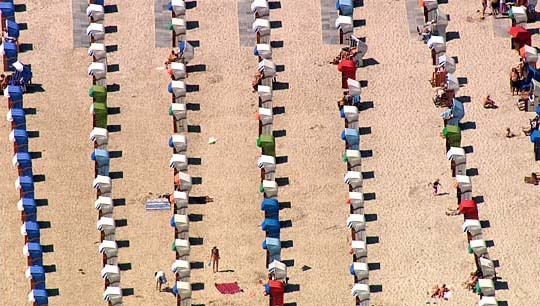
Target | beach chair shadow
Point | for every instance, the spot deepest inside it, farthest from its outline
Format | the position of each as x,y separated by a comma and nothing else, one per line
124,266
358,3
110,8
364,130
128,291
119,202
368,175
42,202
471,172
359,23
369,62
49,268
469,125
25,47
113,88
23,26
282,181
464,99
276,24
468,149
478,199
375,288
113,68
30,110
196,180
288,262
366,153
196,265
485,224
279,133
370,196
114,175
372,239
195,217
284,205
278,110
282,160
113,110
120,222
53,292
122,243
196,68
194,161
111,29
374,266
194,128
197,286
276,44
19,8
274,5
191,5
193,107
111,48
292,288
39,178
190,25
44,224
452,35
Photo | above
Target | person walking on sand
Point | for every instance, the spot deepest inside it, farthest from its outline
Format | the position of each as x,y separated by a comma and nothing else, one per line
214,259
435,186
160,279
484,6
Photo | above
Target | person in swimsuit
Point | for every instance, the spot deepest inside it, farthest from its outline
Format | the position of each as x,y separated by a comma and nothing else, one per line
160,279
214,259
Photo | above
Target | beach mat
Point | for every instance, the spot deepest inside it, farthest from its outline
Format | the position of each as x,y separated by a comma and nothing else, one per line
158,204
228,288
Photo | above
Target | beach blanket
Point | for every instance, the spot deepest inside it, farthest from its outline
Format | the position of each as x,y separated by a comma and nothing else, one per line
228,288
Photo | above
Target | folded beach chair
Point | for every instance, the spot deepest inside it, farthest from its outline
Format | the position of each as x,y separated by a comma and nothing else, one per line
36,275
25,185
108,248
97,51
178,143
100,136
106,226
111,273
19,138
186,51
345,7
178,71
180,223
23,162
113,295
182,247
263,51
96,32
28,209
178,7
182,268
359,270
178,26
17,117
278,270
354,159
361,50
30,231
356,199
38,297
33,253
260,8
179,162
360,291
97,70
270,188
104,205
95,12
182,289
102,183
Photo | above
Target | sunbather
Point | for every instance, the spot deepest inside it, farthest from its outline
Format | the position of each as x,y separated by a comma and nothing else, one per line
471,281
509,133
489,103
173,57
257,80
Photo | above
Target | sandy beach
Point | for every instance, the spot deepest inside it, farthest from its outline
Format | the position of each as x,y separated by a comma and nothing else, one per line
416,244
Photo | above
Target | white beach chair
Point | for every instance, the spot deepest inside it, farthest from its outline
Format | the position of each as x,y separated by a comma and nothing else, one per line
268,68
488,267
531,54
181,267
181,199
113,295
264,51
185,181
179,111
472,226
270,188
361,270
488,301
261,26
486,286
103,183
278,269
178,70
104,204
266,115
182,247
353,178
452,82
96,30
178,88
267,162
351,113
178,162
179,142
457,155
354,158
179,26
181,222
97,70
111,272
100,136
356,222
478,246
260,8
109,248
184,290
178,7
361,291
448,62
355,89
359,248
265,93
106,225
356,199
520,14
96,12
97,50
465,185
437,43
345,24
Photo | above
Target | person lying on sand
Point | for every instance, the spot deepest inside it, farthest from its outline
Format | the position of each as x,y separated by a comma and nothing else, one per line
257,80
488,103
471,281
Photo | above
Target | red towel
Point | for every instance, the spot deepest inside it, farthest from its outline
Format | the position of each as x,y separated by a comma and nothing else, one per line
228,288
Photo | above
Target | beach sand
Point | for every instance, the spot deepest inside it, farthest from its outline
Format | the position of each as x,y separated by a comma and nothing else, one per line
418,246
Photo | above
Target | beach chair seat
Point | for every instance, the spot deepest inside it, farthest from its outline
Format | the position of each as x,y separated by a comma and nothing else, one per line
278,269
182,289
182,247
359,270
178,7
98,51
108,248
359,248
264,51
104,204
260,8
183,182
186,51
29,208
356,199
180,222
113,295
354,158
178,70
356,222
17,117
181,267
261,27
30,230
177,88
95,12
96,31
38,296
33,252
178,25
111,273
100,136
270,188
179,162
178,142
360,291
181,199
478,246
106,225
97,70
265,93
102,183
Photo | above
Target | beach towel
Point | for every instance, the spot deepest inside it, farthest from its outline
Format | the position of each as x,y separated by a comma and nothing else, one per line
228,288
